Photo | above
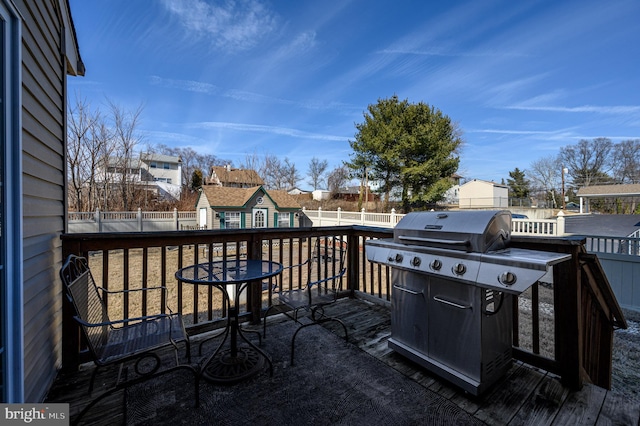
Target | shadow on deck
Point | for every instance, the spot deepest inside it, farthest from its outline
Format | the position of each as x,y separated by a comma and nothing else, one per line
527,395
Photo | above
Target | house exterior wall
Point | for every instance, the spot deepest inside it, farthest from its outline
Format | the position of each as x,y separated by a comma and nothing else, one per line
165,169
44,70
483,194
203,203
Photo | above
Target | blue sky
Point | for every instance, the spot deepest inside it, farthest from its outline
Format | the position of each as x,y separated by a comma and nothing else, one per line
291,78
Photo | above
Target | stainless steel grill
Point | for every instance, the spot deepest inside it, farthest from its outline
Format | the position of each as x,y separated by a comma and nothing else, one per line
453,281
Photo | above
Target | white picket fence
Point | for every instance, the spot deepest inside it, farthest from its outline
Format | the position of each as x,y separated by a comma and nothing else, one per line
547,227
136,221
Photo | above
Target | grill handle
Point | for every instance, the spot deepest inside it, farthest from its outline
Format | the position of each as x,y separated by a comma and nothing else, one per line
406,290
465,243
450,303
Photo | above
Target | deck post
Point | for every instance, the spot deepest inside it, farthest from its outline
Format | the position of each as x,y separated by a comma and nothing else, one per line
568,331
254,290
70,329
353,265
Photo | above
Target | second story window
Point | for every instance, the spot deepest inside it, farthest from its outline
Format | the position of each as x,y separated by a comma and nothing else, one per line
153,165
166,166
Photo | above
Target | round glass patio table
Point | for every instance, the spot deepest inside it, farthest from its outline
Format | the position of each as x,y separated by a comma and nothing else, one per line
232,277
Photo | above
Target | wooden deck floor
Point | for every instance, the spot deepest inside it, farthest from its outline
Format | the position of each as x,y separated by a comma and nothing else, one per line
526,395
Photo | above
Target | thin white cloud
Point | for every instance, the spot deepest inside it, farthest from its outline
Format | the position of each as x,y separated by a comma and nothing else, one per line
273,130
599,109
231,25
243,95
302,43
452,53
186,85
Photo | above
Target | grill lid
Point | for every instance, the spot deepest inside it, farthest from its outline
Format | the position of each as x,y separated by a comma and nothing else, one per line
472,231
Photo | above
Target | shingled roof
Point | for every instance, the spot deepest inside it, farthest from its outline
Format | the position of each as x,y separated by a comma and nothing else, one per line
221,196
227,176
622,190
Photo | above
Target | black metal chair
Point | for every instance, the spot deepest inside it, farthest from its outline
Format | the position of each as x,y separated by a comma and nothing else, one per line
323,274
115,342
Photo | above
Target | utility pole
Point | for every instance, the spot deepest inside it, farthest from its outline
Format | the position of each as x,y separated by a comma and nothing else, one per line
564,201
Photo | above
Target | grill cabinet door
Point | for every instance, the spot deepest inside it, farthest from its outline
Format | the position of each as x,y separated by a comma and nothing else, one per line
409,309
454,325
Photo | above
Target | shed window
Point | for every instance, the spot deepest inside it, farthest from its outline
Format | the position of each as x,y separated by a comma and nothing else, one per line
284,220
232,220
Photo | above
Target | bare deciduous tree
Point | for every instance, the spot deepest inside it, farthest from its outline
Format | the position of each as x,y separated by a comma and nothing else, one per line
81,124
125,162
626,161
545,175
589,161
317,169
337,179
191,161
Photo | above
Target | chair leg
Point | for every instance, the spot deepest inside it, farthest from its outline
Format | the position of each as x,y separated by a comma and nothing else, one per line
187,344
325,319
264,322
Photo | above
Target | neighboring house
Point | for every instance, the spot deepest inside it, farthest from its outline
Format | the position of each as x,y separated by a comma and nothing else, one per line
483,194
39,50
452,195
321,194
156,173
166,172
352,193
233,208
298,191
233,178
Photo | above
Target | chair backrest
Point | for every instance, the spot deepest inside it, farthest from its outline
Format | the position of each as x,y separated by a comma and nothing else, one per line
327,264
84,295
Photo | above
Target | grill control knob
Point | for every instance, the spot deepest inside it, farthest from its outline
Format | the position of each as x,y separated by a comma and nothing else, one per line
435,265
459,269
416,261
399,258
507,278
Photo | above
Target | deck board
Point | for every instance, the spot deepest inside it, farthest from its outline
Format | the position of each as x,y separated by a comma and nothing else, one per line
527,395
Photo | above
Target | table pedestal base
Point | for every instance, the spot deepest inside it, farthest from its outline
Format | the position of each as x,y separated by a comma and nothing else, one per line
224,368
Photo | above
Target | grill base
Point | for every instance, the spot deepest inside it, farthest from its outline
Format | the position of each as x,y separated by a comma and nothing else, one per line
458,331
453,376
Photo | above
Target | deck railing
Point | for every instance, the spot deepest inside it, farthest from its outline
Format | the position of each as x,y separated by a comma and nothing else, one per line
553,325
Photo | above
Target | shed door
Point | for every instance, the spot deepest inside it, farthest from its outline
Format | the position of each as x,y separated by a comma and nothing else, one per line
202,218
259,218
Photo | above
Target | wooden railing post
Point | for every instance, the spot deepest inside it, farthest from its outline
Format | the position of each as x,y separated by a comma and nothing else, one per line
70,329
254,289
568,331
353,264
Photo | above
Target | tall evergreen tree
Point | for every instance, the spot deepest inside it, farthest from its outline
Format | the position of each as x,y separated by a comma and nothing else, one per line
518,184
410,149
